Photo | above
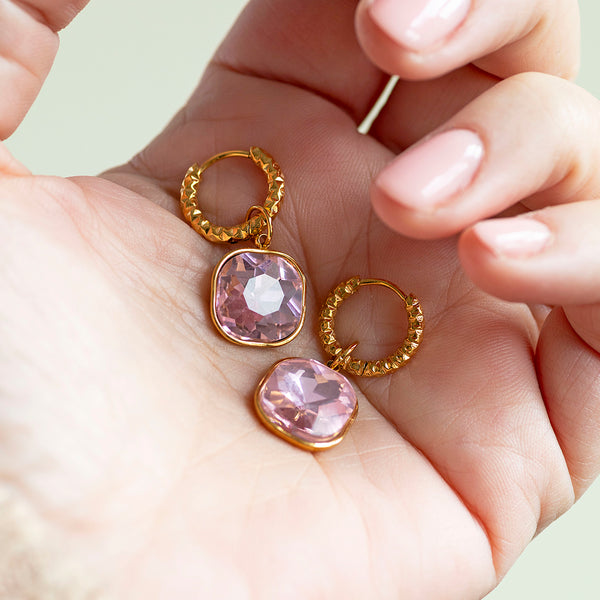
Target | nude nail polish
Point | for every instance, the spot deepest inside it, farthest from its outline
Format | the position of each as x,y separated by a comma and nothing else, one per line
432,172
418,24
520,237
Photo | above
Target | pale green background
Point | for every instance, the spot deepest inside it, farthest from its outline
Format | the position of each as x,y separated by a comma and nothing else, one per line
123,69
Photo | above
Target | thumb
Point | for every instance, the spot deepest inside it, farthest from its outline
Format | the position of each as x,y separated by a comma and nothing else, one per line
28,45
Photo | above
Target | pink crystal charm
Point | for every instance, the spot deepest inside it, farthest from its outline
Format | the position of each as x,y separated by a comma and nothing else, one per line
306,402
258,297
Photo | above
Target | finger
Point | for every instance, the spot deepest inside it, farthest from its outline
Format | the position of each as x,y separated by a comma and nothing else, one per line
531,138
28,45
423,39
569,372
551,256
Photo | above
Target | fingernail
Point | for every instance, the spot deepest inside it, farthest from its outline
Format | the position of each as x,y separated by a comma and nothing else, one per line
514,238
418,24
434,171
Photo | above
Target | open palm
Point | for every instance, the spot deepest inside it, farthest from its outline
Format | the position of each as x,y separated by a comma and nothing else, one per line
126,420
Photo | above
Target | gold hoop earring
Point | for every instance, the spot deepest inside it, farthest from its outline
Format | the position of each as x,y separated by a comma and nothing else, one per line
257,295
312,405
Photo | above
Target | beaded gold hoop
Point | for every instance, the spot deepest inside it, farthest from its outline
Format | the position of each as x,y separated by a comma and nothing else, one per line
369,368
252,226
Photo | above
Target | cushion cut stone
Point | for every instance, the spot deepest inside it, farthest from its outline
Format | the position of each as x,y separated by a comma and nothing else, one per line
258,297
306,401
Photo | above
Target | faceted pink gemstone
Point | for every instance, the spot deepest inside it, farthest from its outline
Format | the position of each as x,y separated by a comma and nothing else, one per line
258,297
306,401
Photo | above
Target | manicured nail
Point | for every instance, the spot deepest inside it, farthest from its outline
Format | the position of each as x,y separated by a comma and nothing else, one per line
418,24
514,238
432,172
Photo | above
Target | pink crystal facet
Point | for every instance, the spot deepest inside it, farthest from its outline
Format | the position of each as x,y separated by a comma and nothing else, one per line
258,297
306,400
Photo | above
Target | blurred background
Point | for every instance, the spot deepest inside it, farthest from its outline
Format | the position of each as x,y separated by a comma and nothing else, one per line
123,69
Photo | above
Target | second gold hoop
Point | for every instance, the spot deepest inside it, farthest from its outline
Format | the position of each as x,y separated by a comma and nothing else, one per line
369,368
312,405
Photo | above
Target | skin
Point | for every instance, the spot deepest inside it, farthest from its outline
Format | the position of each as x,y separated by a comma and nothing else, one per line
129,451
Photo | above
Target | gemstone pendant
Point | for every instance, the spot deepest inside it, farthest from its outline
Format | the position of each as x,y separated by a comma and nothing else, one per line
306,403
258,297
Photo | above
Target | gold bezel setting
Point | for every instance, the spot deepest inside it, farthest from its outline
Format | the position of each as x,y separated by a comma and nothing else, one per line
213,299
287,436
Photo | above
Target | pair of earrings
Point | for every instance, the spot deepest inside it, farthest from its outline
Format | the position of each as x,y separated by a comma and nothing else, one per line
258,298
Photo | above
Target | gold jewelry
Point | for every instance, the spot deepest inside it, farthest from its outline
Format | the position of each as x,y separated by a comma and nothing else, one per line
312,405
257,295
370,368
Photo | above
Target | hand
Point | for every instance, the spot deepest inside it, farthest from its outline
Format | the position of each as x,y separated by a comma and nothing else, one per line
128,438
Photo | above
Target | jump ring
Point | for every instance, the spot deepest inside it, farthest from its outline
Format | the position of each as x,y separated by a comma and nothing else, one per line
267,221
